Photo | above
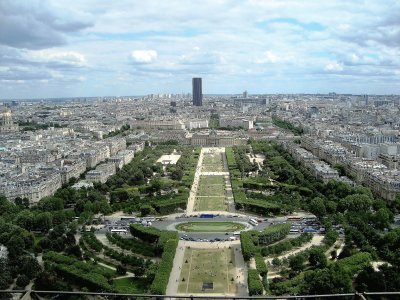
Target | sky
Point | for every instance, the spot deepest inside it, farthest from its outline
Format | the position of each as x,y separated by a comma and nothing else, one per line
84,48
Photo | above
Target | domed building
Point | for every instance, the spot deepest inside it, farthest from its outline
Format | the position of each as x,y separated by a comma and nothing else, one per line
7,124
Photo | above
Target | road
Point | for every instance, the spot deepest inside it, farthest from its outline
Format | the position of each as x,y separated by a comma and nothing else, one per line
172,220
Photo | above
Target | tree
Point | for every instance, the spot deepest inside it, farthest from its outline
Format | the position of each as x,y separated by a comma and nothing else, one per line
15,246
22,281
296,262
121,270
332,280
317,207
383,218
276,262
28,266
317,258
145,209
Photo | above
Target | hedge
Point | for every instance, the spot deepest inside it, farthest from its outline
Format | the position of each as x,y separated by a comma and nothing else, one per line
124,258
170,205
146,234
153,235
68,260
92,241
286,245
274,233
94,282
254,283
247,245
256,205
355,263
90,275
261,266
160,282
133,245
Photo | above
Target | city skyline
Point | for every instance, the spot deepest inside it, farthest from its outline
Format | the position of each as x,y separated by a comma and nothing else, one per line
52,49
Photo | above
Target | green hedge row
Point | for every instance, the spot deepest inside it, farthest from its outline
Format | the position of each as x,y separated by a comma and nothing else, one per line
90,275
124,258
274,233
146,234
286,245
355,263
254,283
59,258
247,245
256,205
160,282
153,235
91,240
93,281
261,266
132,244
251,185
170,205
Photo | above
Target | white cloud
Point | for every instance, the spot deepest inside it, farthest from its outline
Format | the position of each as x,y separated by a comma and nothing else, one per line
268,57
70,58
144,56
333,67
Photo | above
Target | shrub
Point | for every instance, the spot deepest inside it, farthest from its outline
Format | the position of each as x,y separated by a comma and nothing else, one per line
254,283
261,265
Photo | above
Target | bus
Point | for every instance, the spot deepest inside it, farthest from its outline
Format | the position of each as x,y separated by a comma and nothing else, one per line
253,222
130,219
294,219
119,231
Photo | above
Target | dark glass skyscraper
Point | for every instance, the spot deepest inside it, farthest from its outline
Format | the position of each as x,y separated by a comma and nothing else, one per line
197,92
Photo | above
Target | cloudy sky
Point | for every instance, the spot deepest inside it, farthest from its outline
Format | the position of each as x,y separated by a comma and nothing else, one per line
66,48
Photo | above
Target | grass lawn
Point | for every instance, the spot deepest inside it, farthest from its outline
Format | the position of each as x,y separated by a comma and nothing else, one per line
210,226
214,267
131,285
211,186
213,163
210,204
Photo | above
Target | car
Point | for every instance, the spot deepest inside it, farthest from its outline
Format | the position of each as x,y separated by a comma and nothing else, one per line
226,233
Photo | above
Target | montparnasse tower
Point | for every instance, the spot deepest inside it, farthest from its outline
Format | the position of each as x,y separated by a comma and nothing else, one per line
7,124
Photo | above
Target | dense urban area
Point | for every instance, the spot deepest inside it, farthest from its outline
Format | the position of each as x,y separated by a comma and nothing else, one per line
181,194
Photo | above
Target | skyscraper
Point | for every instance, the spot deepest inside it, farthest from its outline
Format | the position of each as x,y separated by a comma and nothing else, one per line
197,92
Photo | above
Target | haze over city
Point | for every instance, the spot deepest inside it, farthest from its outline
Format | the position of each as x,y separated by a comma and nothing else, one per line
96,48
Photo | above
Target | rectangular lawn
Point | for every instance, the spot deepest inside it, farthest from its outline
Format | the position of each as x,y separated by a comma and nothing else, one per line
208,271
213,163
211,186
210,204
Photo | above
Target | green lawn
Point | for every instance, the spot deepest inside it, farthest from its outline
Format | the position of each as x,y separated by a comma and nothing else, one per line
213,266
213,163
210,204
131,285
211,194
211,186
210,226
